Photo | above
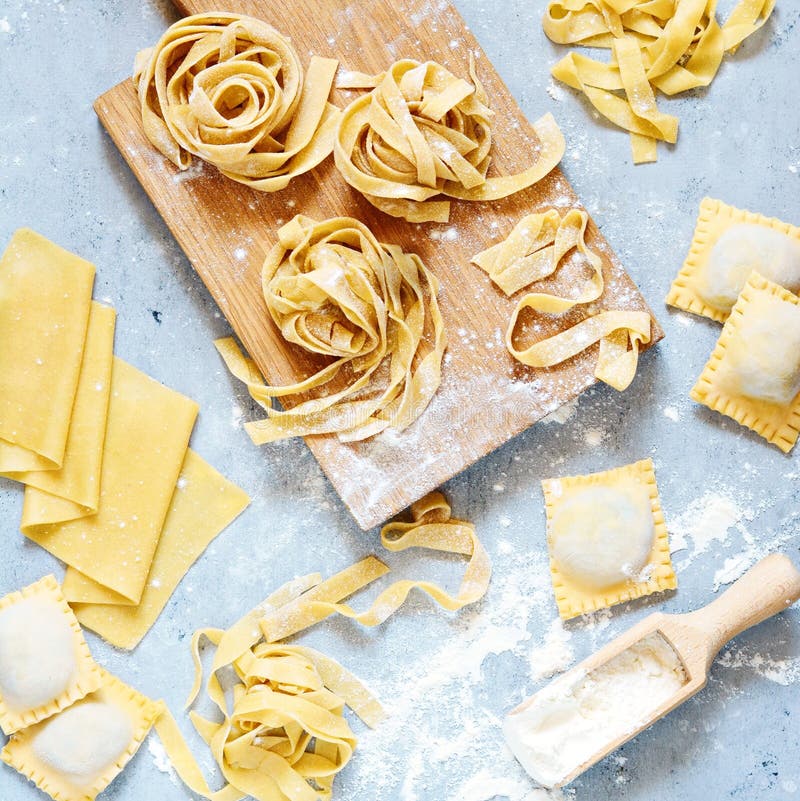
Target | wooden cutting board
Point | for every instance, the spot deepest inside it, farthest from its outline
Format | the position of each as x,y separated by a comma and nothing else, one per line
225,229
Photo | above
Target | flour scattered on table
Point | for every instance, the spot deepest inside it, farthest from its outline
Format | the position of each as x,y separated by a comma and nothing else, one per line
555,91
160,759
706,520
593,437
554,655
444,712
780,671
671,413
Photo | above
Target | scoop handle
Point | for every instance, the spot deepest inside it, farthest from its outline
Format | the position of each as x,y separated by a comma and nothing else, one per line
769,587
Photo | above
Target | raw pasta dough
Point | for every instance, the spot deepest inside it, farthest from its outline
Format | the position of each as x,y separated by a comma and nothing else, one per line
334,290
764,361
45,664
286,737
672,46
76,754
727,245
73,490
146,438
602,536
753,374
422,132
741,249
533,251
45,300
230,89
203,504
289,694
431,526
607,538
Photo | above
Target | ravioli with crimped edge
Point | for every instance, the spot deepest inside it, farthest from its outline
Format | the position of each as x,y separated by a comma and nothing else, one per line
607,539
753,374
76,754
727,245
45,663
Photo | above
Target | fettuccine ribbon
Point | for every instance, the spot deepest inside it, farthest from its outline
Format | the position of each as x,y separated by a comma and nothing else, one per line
285,737
334,290
669,45
533,251
230,90
421,133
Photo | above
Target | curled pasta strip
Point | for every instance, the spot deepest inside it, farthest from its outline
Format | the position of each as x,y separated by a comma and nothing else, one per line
532,252
334,290
655,44
431,526
421,132
230,90
285,737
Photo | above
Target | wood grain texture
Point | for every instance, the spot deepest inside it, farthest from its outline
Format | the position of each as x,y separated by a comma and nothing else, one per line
225,229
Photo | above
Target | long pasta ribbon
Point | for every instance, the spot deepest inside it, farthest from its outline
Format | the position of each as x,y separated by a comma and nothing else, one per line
422,132
655,44
533,251
334,290
285,737
431,527
230,90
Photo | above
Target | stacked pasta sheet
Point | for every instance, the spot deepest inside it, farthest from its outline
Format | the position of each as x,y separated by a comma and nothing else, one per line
111,486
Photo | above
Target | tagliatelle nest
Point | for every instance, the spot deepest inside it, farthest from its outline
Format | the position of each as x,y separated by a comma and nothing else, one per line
334,290
423,132
230,90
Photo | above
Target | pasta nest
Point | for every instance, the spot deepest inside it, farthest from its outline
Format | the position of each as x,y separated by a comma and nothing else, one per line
423,132
334,290
231,90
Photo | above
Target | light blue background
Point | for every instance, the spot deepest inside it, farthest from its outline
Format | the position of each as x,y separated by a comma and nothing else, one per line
739,140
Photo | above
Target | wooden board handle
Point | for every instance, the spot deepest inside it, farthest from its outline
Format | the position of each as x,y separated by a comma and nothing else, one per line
769,587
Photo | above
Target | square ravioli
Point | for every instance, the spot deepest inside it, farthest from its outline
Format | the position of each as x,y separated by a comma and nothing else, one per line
728,244
45,663
753,374
77,753
607,538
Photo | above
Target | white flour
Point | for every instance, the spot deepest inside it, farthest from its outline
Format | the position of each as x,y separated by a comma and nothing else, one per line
705,521
780,671
576,716
554,655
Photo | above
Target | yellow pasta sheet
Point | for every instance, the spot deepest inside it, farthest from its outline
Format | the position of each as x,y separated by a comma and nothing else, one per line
45,297
203,504
73,490
146,440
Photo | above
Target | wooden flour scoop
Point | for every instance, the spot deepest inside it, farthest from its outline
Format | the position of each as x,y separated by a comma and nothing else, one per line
770,586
